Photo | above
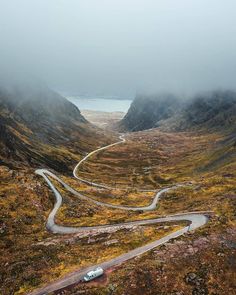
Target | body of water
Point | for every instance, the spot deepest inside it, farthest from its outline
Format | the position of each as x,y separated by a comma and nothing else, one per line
100,104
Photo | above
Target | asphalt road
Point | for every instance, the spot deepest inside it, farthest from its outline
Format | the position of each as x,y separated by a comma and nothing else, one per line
195,219
122,140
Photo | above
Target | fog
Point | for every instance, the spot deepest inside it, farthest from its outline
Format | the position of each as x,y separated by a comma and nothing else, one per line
120,47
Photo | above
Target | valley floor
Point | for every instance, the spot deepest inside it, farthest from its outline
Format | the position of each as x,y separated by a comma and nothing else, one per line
200,262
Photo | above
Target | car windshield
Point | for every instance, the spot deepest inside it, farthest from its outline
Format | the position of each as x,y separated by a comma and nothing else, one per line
90,273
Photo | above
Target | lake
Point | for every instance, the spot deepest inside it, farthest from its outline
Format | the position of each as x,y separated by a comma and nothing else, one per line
100,104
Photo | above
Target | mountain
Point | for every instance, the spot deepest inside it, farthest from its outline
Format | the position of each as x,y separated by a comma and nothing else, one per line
39,127
212,111
146,111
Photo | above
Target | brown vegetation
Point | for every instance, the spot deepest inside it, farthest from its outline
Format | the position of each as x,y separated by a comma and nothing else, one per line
200,263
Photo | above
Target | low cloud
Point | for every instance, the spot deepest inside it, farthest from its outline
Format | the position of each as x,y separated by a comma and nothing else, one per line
120,47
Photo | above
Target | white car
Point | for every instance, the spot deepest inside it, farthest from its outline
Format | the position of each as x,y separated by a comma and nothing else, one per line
91,275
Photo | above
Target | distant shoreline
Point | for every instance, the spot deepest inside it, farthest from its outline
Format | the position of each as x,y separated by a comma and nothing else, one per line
87,96
101,104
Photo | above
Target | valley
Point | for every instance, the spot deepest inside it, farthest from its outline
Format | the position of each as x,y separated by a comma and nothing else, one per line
117,147
105,219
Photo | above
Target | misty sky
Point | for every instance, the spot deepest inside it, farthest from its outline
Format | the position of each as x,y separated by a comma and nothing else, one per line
120,47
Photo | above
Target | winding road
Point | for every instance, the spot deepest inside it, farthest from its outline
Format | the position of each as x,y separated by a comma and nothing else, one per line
195,219
122,140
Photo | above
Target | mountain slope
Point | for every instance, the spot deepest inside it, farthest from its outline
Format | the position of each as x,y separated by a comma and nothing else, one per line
39,127
146,111
213,111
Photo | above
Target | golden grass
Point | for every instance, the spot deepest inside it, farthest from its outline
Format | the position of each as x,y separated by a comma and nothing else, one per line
33,256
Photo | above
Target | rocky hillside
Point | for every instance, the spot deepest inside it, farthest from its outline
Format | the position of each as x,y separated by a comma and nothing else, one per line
213,111
146,111
39,127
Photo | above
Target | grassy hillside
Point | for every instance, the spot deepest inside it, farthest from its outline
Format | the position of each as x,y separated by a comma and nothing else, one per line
41,128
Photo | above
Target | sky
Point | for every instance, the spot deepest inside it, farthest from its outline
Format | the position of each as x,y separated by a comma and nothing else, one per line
120,47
